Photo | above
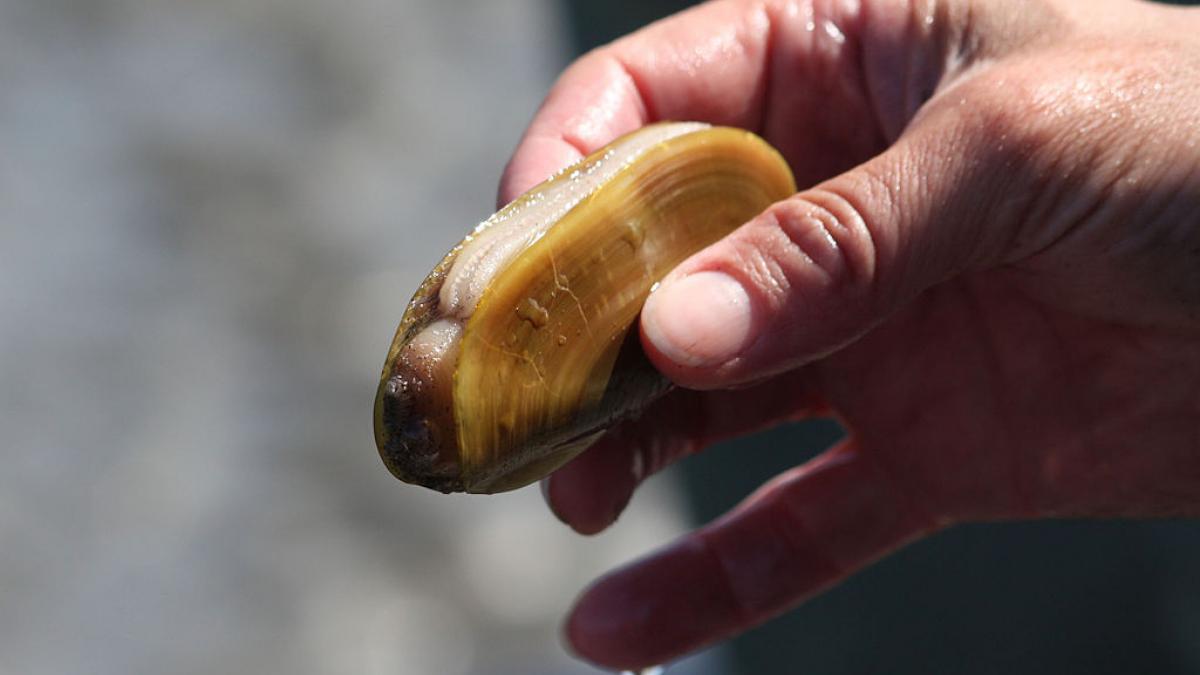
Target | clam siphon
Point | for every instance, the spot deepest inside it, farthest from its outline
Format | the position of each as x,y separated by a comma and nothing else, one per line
520,347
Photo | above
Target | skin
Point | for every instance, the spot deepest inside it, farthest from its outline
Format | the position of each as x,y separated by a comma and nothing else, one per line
991,277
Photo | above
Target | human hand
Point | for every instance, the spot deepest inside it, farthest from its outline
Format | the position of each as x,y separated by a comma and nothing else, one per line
994,283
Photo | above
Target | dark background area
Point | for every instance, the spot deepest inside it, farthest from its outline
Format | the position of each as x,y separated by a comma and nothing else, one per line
1047,597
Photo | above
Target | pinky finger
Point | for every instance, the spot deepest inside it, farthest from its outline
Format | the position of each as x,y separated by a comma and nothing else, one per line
797,535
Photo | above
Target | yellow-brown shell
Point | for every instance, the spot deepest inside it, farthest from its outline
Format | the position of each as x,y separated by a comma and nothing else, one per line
549,358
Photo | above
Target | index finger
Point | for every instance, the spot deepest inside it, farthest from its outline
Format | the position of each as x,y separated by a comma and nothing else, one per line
706,64
829,83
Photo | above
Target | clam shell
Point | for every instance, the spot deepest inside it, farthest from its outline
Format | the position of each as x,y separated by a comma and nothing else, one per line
493,382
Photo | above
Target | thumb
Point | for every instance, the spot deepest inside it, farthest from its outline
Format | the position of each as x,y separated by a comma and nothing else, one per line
815,271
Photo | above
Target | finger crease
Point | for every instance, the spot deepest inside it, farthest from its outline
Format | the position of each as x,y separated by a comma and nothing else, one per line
767,72
640,90
575,143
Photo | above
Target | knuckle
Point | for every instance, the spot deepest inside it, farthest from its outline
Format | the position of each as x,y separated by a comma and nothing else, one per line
825,238
1045,105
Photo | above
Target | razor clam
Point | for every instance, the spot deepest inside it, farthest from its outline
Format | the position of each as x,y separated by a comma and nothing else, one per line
519,349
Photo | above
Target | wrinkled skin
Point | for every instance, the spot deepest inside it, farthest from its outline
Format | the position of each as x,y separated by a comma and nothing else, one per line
993,280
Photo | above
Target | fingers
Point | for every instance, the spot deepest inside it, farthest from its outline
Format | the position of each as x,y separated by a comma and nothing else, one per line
816,271
593,102
757,65
795,536
704,64
591,491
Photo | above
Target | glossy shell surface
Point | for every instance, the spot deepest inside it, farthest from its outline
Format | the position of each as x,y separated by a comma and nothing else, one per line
546,356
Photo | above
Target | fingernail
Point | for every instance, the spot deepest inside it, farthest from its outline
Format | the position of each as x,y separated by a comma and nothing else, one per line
700,320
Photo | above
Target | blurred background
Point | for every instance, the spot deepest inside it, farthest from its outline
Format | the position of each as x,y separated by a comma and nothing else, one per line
211,217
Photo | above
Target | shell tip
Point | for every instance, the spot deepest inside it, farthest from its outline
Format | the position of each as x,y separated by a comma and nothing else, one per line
405,442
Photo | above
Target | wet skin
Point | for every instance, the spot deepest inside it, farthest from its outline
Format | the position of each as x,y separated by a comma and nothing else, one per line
993,281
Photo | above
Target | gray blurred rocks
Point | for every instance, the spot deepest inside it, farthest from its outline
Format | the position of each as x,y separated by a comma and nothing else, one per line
211,217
